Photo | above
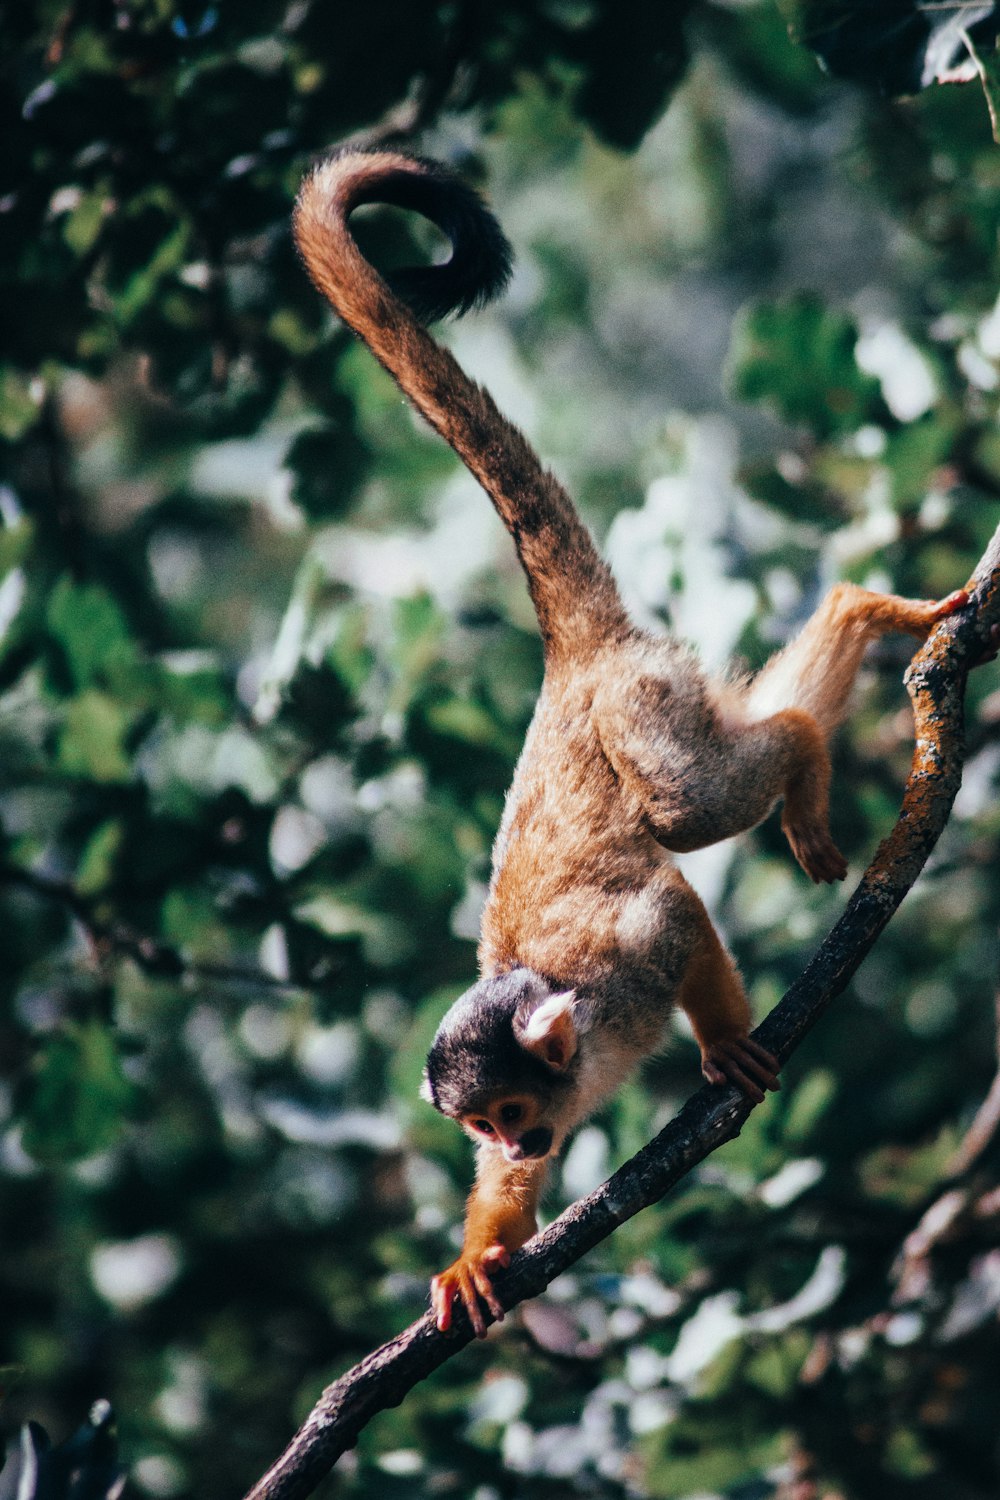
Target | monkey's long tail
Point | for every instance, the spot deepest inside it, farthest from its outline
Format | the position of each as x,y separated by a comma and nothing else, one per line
574,595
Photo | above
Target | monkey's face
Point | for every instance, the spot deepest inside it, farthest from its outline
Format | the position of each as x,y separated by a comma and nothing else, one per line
516,1123
502,1064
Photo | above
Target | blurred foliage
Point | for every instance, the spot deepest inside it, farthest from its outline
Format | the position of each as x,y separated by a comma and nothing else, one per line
266,664
898,46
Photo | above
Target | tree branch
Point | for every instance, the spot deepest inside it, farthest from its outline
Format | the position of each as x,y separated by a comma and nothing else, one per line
714,1115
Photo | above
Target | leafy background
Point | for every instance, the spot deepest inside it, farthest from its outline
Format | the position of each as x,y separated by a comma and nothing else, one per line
266,662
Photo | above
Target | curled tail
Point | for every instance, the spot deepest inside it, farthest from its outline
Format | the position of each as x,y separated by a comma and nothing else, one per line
573,593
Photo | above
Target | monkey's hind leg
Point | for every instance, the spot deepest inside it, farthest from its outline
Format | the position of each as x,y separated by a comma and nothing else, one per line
705,762
816,671
805,689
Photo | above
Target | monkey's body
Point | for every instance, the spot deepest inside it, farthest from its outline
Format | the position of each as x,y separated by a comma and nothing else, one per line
590,933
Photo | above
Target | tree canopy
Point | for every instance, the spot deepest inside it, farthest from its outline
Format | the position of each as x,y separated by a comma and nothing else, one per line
266,662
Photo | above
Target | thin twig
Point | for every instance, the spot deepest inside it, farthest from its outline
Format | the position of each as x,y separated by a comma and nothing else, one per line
936,683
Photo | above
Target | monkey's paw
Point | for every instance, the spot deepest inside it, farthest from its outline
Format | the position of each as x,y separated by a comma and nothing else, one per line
942,608
742,1061
469,1279
815,851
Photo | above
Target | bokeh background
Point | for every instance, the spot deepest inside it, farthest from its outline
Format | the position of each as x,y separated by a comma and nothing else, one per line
266,662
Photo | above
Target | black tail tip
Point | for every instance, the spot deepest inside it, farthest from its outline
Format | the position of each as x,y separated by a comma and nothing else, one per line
481,260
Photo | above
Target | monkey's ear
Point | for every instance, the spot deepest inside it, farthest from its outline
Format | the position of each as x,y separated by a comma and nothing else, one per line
550,1031
426,1092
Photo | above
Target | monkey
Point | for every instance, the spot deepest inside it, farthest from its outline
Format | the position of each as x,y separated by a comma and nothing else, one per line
590,933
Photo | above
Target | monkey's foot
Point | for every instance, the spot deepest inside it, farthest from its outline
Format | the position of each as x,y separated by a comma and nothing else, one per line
742,1061
469,1279
925,614
815,851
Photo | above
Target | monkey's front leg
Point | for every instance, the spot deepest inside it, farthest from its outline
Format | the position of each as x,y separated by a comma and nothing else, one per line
499,1219
713,996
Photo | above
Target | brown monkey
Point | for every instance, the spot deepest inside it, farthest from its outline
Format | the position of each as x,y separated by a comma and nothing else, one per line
590,933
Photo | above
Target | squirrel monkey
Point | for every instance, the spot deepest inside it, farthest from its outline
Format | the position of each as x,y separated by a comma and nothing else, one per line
590,934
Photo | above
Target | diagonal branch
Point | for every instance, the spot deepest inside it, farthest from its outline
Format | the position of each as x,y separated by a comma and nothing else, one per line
714,1115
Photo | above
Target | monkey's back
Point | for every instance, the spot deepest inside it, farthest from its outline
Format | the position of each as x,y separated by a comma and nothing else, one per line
581,891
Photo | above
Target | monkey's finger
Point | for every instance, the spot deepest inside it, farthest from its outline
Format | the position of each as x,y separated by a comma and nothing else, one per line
484,1287
470,1299
749,1044
763,1064
744,1049
442,1297
752,1090
749,1065
729,1066
495,1257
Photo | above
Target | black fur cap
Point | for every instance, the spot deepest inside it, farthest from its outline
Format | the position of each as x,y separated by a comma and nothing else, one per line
476,1054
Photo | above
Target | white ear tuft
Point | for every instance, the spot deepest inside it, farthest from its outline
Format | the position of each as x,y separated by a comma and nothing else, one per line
550,1031
425,1088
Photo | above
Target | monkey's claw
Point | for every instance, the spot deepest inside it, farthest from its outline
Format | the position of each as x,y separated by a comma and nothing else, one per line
742,1061
469,1279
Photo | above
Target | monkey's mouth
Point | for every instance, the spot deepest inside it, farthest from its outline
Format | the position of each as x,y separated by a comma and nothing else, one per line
532,1145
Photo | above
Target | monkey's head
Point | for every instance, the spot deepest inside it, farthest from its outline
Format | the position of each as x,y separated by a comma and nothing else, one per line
502,1064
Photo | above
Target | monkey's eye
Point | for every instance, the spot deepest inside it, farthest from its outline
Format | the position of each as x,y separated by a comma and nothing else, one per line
510,1113
483,1126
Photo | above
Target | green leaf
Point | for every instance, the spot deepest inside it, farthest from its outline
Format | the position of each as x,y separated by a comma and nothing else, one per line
462,720
92,742
807,1106
92,630
705,1454
19,407
15,545
908,1455
799,357
913,454
349,652
97,862
775,1368
419,628
82,224
79,1095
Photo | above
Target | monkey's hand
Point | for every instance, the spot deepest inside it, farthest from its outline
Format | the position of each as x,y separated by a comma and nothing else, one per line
741,1060
469,1278
815,850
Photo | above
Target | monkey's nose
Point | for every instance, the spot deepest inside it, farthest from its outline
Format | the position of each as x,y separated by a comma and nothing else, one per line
533,1143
